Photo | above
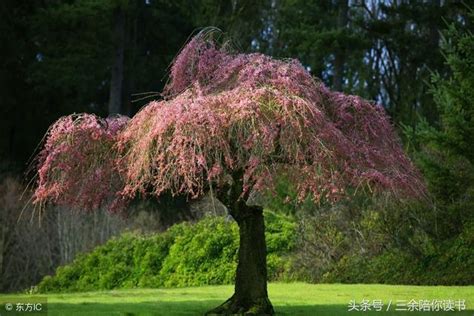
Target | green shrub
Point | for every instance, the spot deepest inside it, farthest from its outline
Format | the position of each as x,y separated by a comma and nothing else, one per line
205,253
187,254
127,261
451,263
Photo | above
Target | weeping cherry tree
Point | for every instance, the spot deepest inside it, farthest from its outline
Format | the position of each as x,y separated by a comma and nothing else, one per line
229,124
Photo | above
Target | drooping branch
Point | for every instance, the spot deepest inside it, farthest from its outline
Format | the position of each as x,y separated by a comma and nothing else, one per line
249,113
229,114
77,165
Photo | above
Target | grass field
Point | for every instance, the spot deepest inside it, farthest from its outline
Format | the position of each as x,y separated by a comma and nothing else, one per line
288,299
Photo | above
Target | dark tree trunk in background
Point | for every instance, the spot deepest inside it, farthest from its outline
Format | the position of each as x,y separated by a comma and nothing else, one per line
339,57
116,81
250,296
132,53
2,249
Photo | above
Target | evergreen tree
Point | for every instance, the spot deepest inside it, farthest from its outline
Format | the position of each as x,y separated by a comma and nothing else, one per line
382,51
446,153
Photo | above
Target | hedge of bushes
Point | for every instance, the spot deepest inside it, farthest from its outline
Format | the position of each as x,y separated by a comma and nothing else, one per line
449,263
203,253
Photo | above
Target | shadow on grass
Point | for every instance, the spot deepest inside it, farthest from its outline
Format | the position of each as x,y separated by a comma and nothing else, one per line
199,307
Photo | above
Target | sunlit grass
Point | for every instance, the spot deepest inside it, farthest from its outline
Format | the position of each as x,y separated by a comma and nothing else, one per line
288,299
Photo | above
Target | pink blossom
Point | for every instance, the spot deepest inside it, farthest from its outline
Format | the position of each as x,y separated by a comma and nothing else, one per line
226,114
76,166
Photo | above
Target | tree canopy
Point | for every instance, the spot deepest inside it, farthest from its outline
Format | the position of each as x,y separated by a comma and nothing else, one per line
228,116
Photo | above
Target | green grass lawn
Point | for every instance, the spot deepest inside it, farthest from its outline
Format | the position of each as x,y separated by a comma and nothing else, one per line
288,299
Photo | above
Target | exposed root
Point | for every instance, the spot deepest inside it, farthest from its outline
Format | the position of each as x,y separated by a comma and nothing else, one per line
234,306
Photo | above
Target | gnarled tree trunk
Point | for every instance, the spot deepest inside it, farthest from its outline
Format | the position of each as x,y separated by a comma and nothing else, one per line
251,296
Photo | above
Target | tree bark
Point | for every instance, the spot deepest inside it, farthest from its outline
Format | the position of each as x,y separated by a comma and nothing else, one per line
250,296
339,58
3,229
116,81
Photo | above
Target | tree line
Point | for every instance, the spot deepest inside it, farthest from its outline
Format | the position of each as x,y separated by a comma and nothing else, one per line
113,56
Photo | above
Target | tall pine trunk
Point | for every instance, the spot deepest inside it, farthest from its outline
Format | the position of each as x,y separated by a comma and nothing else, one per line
339,58
250,296
116,81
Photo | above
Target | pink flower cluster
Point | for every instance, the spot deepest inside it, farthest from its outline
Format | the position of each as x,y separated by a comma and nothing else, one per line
77,165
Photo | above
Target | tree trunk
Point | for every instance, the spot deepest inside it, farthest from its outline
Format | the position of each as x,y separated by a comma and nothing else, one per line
251,296
339,57
3,229
116,81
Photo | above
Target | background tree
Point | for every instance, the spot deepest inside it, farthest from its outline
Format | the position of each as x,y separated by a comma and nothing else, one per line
17,51
445,152
230,124
324,35
380,50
